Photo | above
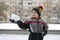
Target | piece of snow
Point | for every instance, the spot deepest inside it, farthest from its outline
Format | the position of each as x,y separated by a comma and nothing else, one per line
15,17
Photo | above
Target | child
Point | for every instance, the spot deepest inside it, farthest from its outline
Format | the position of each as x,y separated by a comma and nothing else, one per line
37,27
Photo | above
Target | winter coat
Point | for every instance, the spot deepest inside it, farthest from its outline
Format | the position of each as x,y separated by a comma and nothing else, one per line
34,26
37,28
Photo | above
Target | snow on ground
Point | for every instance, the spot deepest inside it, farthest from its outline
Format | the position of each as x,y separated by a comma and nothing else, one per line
9,26
52,37
25,37
13,26
54,26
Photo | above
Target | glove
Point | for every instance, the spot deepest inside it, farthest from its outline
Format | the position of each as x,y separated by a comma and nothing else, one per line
45,32
11,20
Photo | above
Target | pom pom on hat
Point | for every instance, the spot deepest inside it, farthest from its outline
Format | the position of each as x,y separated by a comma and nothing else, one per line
40,7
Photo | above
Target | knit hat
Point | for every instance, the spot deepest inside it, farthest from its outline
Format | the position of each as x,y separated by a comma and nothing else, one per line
38,10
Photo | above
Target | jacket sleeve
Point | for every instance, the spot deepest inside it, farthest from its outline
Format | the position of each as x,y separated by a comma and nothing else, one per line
11,20
22,25
45,29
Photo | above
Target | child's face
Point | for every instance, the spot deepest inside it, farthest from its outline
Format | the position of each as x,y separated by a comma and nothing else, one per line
34,14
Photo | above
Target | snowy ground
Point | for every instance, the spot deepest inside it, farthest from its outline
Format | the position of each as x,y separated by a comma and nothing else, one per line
25,37
13,26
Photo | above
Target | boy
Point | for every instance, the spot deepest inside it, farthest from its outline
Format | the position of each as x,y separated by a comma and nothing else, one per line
37,27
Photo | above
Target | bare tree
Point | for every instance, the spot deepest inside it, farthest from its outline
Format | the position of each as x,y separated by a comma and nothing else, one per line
3,7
